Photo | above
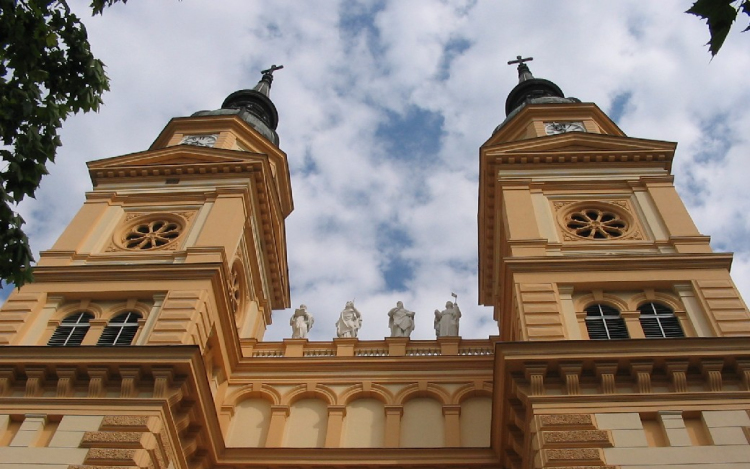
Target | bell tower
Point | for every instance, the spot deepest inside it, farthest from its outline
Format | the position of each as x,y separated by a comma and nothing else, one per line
188,235
574,213
622,333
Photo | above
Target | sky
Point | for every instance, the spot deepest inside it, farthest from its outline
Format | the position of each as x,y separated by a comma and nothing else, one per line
383,106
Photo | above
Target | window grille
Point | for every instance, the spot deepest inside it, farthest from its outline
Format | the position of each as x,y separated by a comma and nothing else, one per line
659,321
604,322
71,330
120,330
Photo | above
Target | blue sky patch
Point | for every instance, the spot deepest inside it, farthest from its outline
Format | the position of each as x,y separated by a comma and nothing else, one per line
619,104
358,18
413,136
454,48
397,270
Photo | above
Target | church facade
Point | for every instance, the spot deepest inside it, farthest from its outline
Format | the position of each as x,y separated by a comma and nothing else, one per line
622,340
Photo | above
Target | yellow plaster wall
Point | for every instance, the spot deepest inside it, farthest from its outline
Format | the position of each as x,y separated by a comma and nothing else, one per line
307,424
249,427
476,415
364,424
422,425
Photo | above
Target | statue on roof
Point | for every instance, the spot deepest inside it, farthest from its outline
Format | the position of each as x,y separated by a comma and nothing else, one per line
350,321
446,321
400,321
301,321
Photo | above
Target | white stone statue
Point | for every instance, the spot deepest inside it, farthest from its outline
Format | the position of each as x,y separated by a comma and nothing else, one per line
400,320
349,321
446,322
301,322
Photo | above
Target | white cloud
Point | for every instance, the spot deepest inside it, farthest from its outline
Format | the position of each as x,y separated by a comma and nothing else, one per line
340,85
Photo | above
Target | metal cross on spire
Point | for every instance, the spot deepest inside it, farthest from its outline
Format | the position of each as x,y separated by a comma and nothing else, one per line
520,60
523,70
279,67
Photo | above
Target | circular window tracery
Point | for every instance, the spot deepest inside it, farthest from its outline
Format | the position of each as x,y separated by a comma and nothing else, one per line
147,233
235,289
596,223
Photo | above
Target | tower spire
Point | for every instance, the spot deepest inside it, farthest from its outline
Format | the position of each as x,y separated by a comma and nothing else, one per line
264,85
254,106
531,90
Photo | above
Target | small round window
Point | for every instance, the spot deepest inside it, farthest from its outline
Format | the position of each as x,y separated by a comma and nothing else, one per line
152,232
596,222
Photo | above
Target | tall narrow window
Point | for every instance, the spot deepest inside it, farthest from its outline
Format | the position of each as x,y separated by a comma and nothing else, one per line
605,322
120,330
658,321
71,330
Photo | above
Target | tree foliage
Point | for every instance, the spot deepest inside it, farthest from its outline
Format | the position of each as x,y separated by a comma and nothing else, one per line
719,15
47,72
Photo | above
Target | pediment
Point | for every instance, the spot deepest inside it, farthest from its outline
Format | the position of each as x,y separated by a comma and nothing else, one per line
180,155
580,143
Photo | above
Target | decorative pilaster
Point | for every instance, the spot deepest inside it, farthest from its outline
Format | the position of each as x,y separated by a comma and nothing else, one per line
393,415
275,437
336,414
452,415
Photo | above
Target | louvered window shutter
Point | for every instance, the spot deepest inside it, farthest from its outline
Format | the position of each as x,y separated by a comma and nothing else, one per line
659,321
120,330
604,322
71,330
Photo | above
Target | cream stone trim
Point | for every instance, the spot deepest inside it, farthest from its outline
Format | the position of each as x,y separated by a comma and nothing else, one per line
254,391
310,390
373,391
136,306
583,302
470,390
429,390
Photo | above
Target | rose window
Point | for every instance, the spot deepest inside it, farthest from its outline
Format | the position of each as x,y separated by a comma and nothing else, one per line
152,234
595,223
234,290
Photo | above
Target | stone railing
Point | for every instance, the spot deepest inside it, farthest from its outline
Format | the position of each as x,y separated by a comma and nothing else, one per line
389,347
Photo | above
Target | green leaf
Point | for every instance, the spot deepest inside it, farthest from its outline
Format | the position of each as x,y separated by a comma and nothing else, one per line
719,15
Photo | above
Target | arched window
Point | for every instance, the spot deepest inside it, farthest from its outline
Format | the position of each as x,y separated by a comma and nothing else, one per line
71,330
120,330
659,321
605,322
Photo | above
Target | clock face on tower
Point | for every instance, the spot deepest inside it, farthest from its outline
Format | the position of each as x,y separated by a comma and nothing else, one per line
554,128
199,140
